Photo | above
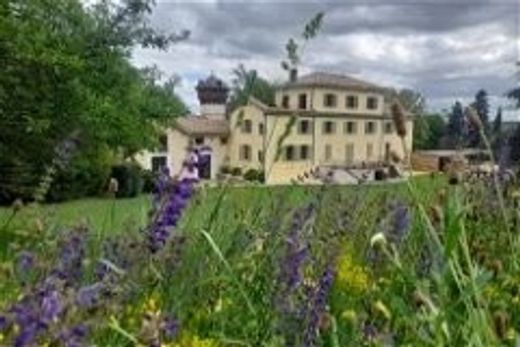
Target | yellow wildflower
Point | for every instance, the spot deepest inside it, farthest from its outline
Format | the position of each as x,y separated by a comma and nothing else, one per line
351,275
195,341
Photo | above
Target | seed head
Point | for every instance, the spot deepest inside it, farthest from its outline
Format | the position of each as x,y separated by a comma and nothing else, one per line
473,118
399,119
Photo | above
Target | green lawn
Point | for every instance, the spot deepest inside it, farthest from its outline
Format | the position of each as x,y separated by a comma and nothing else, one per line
107,216
102,214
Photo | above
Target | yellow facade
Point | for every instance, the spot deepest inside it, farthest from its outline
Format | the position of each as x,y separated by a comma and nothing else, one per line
335,136
346,123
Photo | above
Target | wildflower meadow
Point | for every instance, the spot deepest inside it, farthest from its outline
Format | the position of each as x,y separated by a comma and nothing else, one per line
417,263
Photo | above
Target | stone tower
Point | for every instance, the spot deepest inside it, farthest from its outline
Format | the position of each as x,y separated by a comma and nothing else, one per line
213,94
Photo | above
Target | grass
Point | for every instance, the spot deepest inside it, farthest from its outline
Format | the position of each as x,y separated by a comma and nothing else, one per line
103,215
106,216
222,273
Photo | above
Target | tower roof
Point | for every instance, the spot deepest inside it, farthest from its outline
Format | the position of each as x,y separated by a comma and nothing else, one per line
212,90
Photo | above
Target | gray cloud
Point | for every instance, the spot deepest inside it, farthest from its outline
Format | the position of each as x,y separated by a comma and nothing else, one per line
446,49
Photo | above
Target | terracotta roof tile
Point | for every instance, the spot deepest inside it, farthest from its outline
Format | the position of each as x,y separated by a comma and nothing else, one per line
324,79
200,125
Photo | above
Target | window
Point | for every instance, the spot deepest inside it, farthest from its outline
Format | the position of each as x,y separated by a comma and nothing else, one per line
285,101
302,101
329,100
388,128
304,152
349,153
351,101
289,154
163,143
304,127
370,127
199,140
158,163
350,127
247,126
261,156
370,150
329,127
244,152
328,152
261,128
223,140
372,103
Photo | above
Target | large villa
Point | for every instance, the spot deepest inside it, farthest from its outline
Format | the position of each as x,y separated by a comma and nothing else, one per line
319,120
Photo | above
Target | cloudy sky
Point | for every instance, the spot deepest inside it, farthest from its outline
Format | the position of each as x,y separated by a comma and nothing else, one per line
447,49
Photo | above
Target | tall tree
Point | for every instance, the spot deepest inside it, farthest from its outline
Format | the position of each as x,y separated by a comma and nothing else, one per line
481,106
247,83
497,122
456,128
65,68
514,144
428,131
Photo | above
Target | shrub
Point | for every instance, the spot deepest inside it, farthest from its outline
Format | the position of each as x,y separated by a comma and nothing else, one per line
148,180
236,171
85,175
129,179
254,175
225,169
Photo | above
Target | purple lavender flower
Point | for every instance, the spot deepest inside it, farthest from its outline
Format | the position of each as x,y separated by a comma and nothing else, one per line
369,332
70,257
25,261
27,335
318,306
74,337
169,215
51,307
3,322
170,327
399,223
89,296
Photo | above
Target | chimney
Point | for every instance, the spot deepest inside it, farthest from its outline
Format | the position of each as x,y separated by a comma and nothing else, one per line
293,74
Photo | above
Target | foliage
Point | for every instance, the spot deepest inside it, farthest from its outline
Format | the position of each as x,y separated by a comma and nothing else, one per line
254,175
514,143
428,131
67,70
236,171
456,128
247,83
129,179
481,106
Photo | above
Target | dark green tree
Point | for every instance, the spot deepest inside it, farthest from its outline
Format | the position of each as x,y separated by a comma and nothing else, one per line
428,131
514,144
64,68
481,106
456,127
497,122
247,83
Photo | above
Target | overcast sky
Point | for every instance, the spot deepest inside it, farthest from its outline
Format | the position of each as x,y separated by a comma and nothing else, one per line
445,49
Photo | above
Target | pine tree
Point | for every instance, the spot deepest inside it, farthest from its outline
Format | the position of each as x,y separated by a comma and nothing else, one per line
456,125
497,123
514,143
481,106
